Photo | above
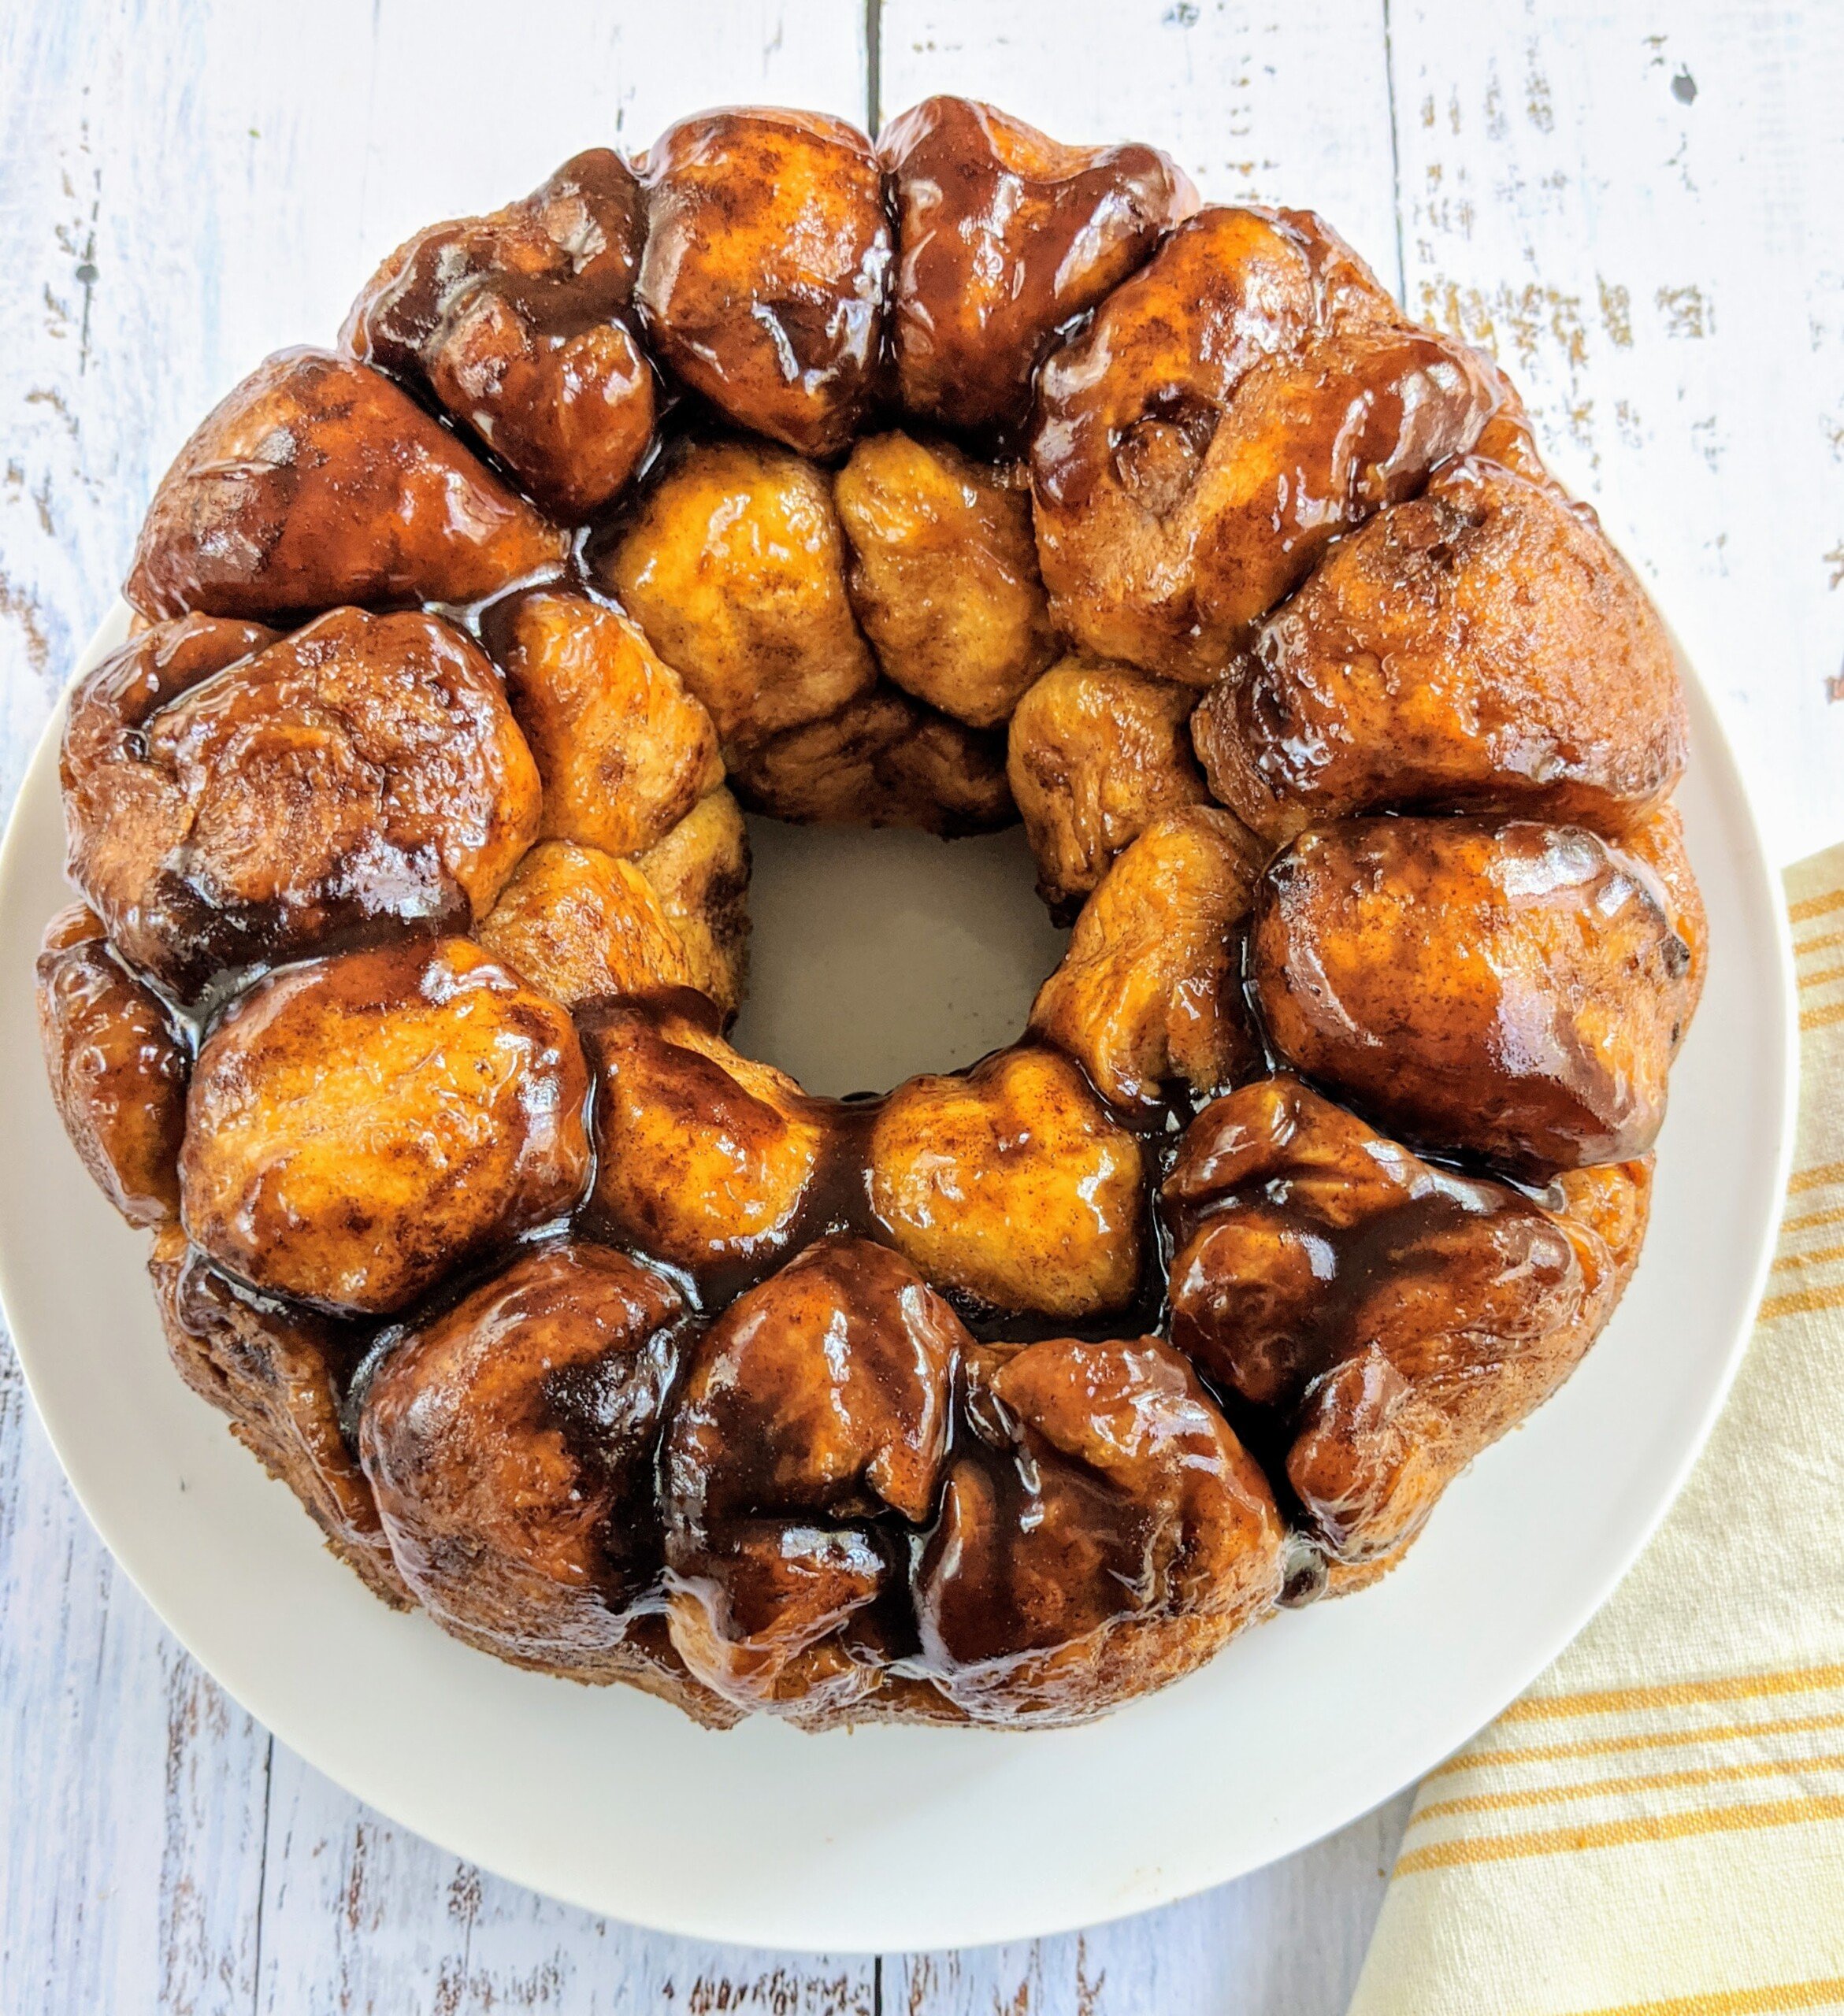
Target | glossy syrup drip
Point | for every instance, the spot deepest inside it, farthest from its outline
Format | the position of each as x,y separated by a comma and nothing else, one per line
1369,1319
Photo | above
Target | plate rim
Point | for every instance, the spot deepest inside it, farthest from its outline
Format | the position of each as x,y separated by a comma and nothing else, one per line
1762,877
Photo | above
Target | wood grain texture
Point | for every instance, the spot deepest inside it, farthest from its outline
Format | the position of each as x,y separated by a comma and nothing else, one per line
133,1791
361,1919
1286,1941
1633,203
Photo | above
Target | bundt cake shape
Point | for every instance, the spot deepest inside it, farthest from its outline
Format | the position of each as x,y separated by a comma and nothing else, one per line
953,479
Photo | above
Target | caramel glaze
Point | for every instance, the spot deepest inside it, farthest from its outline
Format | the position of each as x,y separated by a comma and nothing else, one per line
682,1408
314,789
510,1440
1498,987
357,1125
1006,236
1101,1531
765,284
813,1427
319,481
1482,648
519,324
863,1506
1248,395
117,1064
1372,1320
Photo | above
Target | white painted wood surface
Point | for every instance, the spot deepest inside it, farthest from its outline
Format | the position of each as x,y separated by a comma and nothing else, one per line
1635,204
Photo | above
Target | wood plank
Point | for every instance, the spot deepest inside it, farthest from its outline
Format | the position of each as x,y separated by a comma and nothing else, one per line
1634,206
361,1919
1265,103
1286,1941
132,1790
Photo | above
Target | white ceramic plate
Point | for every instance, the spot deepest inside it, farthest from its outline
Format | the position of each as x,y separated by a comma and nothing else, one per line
896,1838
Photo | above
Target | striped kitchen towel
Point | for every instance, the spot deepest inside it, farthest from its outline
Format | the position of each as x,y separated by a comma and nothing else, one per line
1657,1828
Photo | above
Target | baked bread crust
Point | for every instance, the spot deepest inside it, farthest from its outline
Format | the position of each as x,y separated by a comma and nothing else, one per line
961,477
281,1375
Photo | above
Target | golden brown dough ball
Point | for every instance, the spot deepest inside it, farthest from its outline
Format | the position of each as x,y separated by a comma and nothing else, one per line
700,872
1103,1533
1658,843
625,751
735,567
1004,235
365,768
1012,1184
578,924
1246,396
317,482
1512,989
766,278
117,1066
705,1159
120,811
882,760
284,1377
1482,648
361,1126
817,1407
958,771
1151,988
1389,1319
518,322
1095,753
510,1441
944,574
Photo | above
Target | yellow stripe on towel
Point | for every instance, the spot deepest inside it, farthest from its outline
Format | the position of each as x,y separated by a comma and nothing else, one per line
1622,1834
1658,1830
1638,1781
1607,1746
1730,1686
1734,2001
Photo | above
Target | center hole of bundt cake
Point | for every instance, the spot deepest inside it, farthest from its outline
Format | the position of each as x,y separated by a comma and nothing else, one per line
878,954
